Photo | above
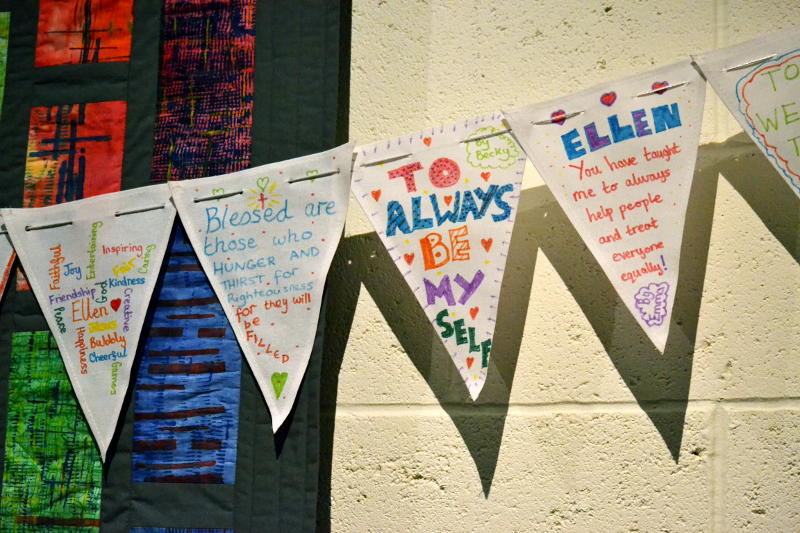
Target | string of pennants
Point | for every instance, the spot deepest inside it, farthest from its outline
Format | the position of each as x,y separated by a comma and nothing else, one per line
619,158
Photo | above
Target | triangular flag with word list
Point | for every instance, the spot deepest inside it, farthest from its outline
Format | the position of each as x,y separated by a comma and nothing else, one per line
93,265
619,159
443,201
265,237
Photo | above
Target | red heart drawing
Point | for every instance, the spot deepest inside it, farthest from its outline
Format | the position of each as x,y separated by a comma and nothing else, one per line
473,312
448,199
608,99
487,244
658,85
376,195
485,175
115,303
470,360
558,117
427,141
409,258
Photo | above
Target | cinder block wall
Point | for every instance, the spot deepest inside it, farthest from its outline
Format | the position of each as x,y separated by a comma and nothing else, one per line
582,427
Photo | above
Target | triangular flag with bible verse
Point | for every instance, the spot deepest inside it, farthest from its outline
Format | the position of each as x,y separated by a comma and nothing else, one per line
620,158
443,201
92,265
759,81
7,256
266,237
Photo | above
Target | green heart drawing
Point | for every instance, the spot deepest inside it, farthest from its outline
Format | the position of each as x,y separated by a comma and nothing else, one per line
262,183
217,192
312,173
278,381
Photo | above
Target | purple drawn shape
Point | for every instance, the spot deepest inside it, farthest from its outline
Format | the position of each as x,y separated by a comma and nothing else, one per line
651,302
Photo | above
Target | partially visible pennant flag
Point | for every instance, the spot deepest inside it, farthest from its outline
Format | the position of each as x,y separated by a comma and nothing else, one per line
443,202
7,257
266,237
92,265
759,81
619,158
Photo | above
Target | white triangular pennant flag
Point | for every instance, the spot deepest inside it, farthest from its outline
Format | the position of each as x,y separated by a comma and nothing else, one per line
93,264
444,209
619,158
759,81
266,237
7,257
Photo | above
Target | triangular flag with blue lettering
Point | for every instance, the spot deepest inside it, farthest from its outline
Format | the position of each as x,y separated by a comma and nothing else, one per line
265,237
619,159
443,201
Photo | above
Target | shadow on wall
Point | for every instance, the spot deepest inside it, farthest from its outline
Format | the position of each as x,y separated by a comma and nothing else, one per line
659,383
